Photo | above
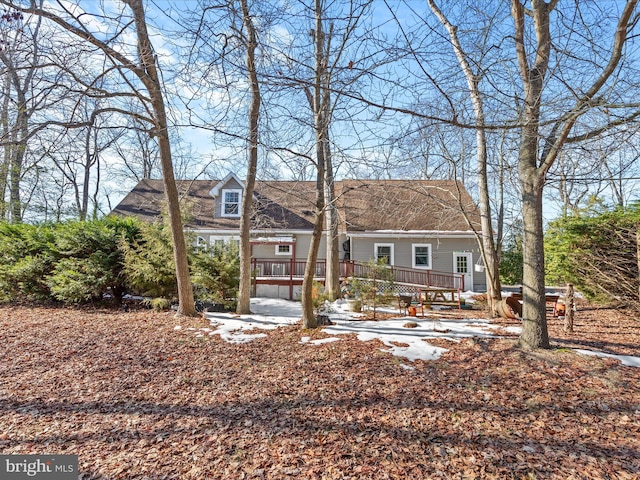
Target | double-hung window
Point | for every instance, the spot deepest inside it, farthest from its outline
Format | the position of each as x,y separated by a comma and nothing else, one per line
421,253
384,253
231,203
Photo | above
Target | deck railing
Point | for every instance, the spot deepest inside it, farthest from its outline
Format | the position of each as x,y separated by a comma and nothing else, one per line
349,268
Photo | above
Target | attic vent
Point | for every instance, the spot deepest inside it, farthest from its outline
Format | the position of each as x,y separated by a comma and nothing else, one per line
307,212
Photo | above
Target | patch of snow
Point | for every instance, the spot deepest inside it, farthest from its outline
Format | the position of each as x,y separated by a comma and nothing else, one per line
410,343
627,360
392,332
268,314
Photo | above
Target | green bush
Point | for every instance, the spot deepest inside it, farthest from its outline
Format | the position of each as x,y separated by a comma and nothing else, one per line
27,257
511,263
373,289
78,280
158,304
75,262
215,272
91,259
148,264
70,262
597,251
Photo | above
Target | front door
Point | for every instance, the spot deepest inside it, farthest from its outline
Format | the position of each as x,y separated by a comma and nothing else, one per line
463,265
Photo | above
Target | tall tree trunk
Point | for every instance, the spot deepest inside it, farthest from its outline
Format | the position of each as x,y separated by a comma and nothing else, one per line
151,80
534,320
21,77
486,241
17,158
534,164
638,256
308,316
83,204
332,274
534,307
244,297
7,148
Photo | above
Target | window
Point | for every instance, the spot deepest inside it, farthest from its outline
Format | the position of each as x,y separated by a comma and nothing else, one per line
421,255
231,203
221,241
283,249
201,242
384,253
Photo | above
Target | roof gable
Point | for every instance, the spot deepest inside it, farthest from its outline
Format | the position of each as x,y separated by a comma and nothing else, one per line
230,181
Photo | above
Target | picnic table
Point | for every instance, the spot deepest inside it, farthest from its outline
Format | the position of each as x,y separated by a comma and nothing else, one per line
429,296
440,296
548,298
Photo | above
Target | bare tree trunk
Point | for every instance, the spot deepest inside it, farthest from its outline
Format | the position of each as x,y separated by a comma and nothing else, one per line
534,307
308,317
4,166
151,81
90,141
332,274
534,164
488,248
638,256
21,77
17,158
534,321
244,297
569,309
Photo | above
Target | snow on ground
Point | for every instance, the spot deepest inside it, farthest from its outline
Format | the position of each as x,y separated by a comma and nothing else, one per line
410,343
627,360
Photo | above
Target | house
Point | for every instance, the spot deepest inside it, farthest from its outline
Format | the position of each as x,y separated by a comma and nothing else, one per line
419,227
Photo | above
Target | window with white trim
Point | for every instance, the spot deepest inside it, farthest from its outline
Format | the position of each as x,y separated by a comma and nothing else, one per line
421,255
201,242
383,253
283,250
221,241
231,199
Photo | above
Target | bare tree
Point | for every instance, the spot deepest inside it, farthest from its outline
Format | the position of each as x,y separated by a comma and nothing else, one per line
556,88
20,57
539,149
144,67
137,150
488,248
251,44
320,128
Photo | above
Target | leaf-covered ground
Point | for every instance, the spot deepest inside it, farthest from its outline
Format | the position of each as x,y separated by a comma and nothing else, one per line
136,399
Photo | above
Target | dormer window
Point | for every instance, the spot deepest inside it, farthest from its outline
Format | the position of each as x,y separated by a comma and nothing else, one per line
231,202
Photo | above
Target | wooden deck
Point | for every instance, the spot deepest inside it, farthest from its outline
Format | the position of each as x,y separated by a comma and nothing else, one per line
291,272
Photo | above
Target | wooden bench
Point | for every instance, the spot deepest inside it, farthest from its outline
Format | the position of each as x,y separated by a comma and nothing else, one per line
548,299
